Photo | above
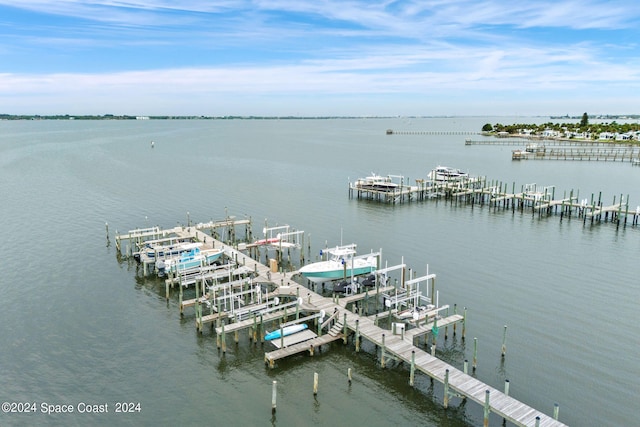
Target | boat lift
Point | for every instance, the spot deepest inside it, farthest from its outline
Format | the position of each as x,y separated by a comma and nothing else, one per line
225,298
279,237
412,297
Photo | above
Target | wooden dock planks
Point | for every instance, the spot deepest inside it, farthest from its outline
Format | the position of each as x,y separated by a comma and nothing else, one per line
398,347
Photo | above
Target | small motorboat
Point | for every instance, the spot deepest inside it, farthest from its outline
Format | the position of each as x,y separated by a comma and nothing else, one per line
445,173
287,330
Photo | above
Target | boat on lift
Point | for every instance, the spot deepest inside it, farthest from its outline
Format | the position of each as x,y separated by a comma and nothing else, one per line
188,260
446,173
162,250
376,182
342,262
286,331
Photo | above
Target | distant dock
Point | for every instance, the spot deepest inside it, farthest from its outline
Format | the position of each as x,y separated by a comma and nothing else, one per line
537,148
479,191
430,132
600,154
243,303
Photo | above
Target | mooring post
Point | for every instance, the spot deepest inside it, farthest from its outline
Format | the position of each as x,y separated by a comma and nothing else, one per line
357,335
349,375
464,323
413,368
382,361
506,387
455,311
446,389
504,341
254,332
282,334
344,325
315,383
274,394
261,329
475,354
224,338
198,308
487,409
556,411
446,327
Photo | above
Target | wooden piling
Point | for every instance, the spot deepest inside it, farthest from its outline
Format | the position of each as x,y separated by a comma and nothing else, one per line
413,368
382,357
487,409
446,389
315,383
475,354
504,341
274,394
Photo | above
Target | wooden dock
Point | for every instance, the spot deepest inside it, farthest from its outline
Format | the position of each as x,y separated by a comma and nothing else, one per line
400,346
342,322
480,191
591,154
549,142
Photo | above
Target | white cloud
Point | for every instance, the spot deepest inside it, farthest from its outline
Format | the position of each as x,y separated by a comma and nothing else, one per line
285,49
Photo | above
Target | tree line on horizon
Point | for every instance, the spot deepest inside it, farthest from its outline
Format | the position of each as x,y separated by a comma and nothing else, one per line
595,129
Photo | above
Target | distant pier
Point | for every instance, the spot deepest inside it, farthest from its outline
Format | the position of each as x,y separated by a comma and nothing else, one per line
601,154
479,191
430,132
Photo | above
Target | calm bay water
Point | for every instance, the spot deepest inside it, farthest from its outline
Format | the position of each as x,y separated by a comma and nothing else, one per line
80,326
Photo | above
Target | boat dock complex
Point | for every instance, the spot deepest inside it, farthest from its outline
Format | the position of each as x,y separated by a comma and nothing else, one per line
392,309
478,190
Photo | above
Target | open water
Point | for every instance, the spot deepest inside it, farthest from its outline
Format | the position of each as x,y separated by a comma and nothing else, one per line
81,328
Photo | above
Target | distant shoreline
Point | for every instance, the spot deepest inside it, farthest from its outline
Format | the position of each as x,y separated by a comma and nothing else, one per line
255,117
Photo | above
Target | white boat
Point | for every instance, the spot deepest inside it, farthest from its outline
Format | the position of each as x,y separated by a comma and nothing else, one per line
376,182
151,249
263,242
189,259
445,173
287,330
342,263
415,312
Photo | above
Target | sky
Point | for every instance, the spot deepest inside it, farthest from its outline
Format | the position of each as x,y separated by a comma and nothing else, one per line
319,57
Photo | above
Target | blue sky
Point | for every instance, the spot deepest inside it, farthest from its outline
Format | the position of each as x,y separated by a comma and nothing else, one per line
319,57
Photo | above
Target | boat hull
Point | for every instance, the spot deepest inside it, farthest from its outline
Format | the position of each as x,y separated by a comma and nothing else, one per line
288,330
331,270
193,260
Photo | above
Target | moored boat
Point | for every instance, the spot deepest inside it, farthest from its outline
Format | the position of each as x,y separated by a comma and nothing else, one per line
446,173
286,331
376,182
151,249
189,259
342,263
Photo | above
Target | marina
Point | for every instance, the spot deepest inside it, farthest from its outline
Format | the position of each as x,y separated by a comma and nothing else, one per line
96,327
247,306
536,199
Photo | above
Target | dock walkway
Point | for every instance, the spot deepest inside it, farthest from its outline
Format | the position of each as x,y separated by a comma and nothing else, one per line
402,348
399,346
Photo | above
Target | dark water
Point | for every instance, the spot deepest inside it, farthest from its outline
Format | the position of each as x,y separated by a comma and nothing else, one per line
81,327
